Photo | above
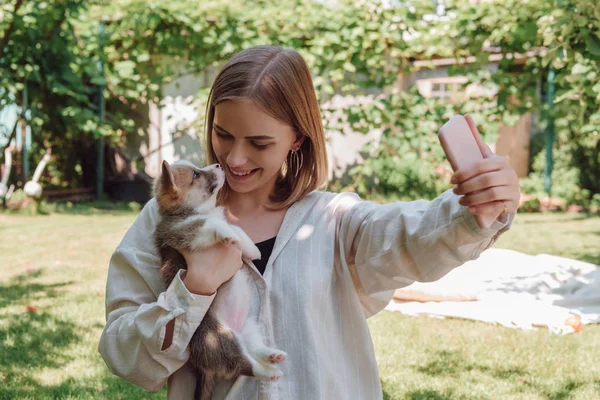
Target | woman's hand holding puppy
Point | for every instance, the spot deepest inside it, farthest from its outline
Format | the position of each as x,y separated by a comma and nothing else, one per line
211,267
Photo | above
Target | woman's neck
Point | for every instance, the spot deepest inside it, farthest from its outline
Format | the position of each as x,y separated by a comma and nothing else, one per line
251,214
242,204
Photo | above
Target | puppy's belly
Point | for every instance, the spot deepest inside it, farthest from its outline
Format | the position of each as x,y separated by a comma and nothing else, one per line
233,300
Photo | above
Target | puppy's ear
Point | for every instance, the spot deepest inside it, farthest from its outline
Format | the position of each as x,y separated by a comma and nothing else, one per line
167,178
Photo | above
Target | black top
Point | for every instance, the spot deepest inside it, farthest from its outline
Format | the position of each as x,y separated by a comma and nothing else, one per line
266,248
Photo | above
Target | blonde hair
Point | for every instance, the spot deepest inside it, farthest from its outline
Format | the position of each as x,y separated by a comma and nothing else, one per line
278,81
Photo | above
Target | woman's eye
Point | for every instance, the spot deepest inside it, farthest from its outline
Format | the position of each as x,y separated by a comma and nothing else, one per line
222,135
260,146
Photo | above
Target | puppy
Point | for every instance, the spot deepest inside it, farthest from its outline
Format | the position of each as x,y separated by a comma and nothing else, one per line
227,344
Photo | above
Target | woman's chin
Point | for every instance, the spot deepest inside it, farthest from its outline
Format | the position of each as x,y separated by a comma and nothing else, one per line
238,188
251,185
243,187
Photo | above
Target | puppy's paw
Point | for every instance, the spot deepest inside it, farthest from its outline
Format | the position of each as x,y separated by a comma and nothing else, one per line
228,240
277,357
268,374
275,377
249,249
269,356
224,234
252,252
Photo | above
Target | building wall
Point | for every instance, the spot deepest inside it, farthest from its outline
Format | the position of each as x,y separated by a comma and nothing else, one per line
513,142
175,125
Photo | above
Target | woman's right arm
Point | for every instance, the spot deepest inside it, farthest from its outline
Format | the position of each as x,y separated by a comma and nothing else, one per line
138,310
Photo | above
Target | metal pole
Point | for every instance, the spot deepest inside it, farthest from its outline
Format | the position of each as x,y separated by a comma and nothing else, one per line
27,142
100,140
549,133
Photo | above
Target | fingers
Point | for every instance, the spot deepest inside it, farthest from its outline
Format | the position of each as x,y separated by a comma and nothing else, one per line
490,186
236,253
489,195
485,150
493,163
232,254
217,254
495,178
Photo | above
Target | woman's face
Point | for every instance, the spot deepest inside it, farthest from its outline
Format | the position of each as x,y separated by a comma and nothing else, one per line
250,145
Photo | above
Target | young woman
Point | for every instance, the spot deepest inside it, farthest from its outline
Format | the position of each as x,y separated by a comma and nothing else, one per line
329,260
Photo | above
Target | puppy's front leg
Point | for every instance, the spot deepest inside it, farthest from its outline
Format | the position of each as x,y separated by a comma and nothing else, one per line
216,231
248,247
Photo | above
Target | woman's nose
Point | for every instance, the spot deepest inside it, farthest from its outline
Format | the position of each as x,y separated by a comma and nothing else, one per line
236,157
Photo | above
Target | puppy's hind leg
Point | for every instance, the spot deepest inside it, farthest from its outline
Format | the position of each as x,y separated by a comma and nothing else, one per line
264,372
252,340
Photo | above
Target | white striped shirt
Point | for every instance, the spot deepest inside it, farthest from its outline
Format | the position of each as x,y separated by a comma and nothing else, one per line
336,261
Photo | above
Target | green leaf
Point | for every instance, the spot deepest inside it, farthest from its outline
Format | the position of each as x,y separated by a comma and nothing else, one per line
125,69
349,67
143,57
592,42
580,69
99,81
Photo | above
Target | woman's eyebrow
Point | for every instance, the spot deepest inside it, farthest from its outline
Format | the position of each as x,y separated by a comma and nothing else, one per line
254,137
259,137
219,128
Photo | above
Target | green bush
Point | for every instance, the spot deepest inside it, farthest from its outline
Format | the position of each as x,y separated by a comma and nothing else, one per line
531,205
565,176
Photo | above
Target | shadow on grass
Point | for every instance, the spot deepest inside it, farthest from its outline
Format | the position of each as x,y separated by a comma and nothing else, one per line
564,391
20,287
453,365
590,259
33,341
102,387
85,208
425,394
98,207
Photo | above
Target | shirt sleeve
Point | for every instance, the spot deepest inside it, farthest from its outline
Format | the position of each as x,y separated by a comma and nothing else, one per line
386,247
138,310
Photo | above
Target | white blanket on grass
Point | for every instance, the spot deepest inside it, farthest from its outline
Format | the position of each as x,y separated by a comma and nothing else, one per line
512,289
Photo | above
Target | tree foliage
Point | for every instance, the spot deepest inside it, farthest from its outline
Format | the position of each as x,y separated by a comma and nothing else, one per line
53,47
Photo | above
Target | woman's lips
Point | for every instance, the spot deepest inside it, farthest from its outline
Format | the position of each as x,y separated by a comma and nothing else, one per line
241,178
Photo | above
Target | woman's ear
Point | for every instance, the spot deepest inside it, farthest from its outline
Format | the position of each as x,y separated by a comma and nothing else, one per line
298,143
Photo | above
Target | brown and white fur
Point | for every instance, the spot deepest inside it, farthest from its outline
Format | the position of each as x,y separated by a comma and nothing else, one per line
227,343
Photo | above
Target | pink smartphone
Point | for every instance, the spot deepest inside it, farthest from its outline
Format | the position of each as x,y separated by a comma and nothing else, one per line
462,151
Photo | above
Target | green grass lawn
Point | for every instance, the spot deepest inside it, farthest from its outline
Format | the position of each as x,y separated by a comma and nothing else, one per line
58,264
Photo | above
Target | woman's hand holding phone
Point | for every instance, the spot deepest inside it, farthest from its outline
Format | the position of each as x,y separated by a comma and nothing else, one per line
487,183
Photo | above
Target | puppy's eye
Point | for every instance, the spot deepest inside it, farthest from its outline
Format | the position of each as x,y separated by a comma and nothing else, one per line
196,174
